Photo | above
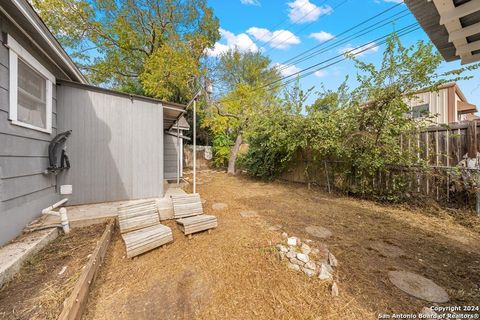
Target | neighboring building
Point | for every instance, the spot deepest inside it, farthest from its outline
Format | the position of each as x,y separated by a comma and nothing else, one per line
446,105
452,25
117,144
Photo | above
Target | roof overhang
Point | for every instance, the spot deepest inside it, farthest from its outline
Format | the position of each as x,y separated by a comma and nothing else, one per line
452,25
24,17
465,107
172,112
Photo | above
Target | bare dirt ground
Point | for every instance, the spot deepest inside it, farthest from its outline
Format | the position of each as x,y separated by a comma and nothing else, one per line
38,290
234,272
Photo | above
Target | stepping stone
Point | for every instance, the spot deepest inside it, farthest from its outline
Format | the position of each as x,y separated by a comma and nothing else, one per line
418,286
249,214
386,249
219,206
319,232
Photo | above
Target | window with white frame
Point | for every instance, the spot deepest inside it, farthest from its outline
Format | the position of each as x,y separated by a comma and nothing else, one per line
420,111
30,90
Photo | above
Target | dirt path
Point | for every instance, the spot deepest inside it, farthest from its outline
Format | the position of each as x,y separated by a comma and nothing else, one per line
234,272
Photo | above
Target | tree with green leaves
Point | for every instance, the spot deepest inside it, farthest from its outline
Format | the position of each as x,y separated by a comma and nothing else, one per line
359,130
151,47
242,79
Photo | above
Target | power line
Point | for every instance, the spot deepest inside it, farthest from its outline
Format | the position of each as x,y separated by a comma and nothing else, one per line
351,51
302,29
286,19
340,42
344,32
342,57
338,61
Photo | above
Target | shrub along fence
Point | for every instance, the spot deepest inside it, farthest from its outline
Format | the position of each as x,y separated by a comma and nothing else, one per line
450,173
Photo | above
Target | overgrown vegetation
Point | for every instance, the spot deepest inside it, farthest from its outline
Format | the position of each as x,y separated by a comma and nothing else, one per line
358,130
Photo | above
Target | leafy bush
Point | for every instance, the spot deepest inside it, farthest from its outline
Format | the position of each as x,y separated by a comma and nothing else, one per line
359,129
221,145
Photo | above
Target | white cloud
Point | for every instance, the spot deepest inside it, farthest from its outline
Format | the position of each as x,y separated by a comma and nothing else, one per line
303,11
241,41
286,70
320,73
250,2
363,50
322,36
280,39
394,1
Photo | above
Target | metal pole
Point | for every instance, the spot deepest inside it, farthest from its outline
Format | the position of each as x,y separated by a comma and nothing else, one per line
195,145
178,154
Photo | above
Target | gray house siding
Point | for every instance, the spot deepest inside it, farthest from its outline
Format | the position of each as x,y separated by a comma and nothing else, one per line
116,146
24,189
171,156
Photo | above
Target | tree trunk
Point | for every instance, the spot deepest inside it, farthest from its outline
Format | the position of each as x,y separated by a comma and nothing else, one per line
234,154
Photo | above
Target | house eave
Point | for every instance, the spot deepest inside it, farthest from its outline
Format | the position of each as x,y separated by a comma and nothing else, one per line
452,25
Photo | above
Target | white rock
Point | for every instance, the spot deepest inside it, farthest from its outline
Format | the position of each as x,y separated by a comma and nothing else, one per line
306,248
334,290
282,248
284,235
428,312
310,265
332,260
282,255
303,257
293,266
308,272
315,251
291,254
324,273
296,261
292,241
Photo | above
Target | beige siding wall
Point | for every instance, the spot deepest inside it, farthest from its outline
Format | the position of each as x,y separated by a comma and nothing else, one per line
437,101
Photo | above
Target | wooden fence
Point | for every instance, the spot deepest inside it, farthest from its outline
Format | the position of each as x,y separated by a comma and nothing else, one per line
445,179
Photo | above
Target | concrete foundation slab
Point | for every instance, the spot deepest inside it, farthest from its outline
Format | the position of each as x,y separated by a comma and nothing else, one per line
15,253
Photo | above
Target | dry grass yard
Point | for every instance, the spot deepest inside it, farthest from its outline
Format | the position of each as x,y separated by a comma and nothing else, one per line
235,273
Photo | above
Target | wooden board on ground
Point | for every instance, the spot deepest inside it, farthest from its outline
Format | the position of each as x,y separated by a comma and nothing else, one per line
136,216
197,223
146,239
187,205
75,304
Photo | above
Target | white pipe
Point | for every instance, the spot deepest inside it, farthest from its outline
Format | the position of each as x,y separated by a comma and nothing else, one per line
178,154
62,214
195,145
56,205
64,220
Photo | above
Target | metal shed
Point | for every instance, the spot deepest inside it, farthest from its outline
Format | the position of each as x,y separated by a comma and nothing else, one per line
117,144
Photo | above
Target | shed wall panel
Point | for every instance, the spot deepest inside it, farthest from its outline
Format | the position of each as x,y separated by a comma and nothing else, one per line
116,146
171,156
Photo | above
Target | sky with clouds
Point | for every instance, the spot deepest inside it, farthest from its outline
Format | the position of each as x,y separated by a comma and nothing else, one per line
282,29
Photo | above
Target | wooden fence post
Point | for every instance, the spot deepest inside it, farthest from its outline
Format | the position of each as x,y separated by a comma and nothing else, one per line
472,140
472,154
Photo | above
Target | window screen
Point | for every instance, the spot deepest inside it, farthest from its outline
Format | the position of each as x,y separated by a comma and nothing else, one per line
32,102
